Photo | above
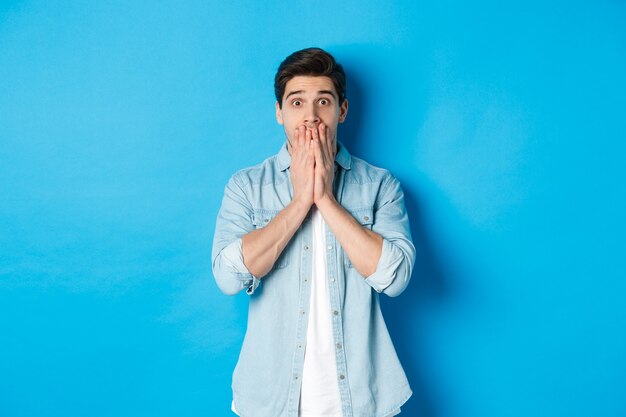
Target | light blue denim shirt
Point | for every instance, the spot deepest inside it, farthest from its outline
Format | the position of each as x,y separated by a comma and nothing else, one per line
267,378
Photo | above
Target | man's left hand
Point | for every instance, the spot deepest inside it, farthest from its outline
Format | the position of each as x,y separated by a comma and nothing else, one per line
324,152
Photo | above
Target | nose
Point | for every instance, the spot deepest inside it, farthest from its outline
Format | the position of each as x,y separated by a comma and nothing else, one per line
312,118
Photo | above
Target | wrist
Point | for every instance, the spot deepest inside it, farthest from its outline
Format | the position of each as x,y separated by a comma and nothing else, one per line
325,201
301,205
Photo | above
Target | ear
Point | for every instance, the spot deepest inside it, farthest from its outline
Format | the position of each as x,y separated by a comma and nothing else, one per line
343,111
279,114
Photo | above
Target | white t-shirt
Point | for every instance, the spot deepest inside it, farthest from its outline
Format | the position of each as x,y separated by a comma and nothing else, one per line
319,393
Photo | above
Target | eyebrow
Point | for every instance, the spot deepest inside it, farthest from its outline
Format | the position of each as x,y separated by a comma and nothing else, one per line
326,92
319,92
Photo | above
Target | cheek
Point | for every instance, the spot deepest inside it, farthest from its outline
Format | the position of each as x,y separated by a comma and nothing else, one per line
289,126
331,115
331,121
289,121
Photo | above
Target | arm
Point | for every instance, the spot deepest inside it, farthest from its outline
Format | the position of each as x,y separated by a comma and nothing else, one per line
234,220
362,246
262,247
384,255
397,258
243,254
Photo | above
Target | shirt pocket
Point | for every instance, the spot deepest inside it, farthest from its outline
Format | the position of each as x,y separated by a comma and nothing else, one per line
365,217
260,218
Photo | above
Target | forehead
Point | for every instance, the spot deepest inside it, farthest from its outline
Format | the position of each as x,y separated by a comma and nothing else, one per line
309,84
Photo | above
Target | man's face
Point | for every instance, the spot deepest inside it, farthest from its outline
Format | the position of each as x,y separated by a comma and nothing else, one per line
309,101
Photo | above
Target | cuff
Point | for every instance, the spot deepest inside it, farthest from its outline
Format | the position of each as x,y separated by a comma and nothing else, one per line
232,256
390,259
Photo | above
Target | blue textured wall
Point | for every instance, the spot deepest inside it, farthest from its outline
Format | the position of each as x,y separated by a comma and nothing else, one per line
121,122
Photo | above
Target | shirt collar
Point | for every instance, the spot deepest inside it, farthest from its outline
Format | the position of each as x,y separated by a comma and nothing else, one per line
343,157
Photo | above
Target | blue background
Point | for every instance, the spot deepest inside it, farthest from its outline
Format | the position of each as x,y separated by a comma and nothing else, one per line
120,123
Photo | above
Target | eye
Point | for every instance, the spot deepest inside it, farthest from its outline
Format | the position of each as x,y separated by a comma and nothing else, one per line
296,103
324,101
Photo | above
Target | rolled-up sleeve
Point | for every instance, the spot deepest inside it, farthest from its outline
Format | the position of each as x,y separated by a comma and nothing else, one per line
234,220
391,221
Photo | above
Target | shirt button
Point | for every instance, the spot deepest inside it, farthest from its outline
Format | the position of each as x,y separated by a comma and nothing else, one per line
303,313
336,313
330,247
306,247
295,377
338,345
340,376
366,218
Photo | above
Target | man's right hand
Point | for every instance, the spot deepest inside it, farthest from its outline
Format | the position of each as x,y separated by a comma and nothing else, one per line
261,247
302,170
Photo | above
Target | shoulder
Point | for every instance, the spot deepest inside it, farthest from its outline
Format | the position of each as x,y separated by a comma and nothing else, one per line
260,174
363,172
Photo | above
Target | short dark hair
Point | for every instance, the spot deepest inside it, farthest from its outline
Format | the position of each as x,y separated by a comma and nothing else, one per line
310,61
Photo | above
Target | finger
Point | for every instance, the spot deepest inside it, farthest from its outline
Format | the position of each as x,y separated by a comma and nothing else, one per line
317,151
314,139
303,140
331,144
306,147
324,142
296,139
315,133
300,136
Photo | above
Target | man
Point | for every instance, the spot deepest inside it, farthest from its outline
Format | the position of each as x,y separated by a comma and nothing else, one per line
314,235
